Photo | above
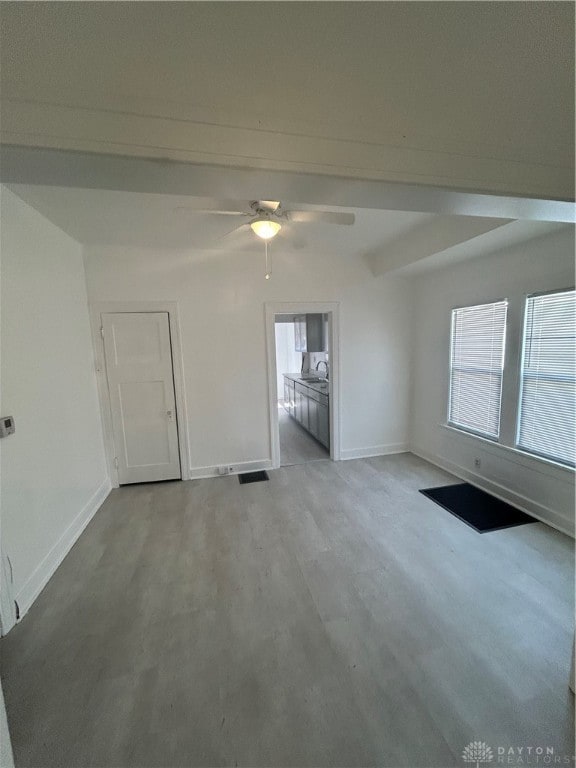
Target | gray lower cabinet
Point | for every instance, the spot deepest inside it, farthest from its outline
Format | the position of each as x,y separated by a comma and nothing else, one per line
324,425
304,405
309,408
300,398
313,417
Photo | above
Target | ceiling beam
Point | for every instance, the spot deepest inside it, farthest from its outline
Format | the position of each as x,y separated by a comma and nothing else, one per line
429,238
24,165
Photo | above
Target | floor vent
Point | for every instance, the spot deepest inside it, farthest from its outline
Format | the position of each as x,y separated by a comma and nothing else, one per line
253,477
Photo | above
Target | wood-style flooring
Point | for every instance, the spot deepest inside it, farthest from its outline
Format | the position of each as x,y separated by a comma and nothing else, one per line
332,616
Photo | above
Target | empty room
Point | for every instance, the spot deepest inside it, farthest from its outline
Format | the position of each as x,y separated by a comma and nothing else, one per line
287,384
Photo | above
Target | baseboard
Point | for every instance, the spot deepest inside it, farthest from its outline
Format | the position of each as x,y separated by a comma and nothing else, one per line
531,507
373,450
198,473
45,570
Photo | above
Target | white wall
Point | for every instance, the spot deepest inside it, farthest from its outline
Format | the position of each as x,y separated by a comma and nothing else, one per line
53,469
542,264
221,306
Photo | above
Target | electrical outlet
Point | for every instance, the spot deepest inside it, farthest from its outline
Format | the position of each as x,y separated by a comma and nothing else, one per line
477,463
223,470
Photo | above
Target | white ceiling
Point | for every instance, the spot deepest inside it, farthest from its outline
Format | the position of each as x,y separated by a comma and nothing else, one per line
145,220
369,68
104,217
512,234
477,95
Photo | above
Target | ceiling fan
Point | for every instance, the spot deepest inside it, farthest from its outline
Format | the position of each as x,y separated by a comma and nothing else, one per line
266,217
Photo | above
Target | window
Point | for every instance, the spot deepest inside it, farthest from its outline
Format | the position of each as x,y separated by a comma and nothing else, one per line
546,421
476,366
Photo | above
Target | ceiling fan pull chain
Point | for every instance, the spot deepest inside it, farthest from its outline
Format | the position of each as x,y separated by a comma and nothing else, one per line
268,270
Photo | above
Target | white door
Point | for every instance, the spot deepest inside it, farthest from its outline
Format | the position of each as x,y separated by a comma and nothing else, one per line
140,380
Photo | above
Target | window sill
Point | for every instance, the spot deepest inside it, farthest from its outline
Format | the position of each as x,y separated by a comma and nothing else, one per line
548,463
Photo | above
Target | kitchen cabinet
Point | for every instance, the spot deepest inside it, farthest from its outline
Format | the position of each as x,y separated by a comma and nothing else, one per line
310,333
298,398
305,406
324,425
301,405
310,408
313,417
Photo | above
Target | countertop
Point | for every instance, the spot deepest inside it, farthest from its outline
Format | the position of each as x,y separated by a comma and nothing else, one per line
321,387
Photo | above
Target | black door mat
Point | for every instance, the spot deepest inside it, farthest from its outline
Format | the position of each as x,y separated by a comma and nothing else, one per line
477,508
253,477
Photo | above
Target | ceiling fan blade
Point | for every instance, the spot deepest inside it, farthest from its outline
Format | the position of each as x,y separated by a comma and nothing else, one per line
233,233
185,210
267,205
320,217
216,206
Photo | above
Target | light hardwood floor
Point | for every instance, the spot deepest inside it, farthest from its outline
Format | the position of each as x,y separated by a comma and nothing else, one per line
296,445
332,616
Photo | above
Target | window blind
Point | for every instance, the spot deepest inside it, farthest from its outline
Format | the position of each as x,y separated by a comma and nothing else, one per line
546,422
476,367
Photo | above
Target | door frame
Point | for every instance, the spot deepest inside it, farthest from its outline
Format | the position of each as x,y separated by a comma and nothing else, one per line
97,309
332,309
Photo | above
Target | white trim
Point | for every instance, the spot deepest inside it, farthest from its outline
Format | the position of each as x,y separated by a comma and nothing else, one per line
103,163
544,514
548,467
48,565
198,473
521,378
171,307
332,309
373,450
7,607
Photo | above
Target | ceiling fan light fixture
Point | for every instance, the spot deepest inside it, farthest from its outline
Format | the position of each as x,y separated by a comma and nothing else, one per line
265,228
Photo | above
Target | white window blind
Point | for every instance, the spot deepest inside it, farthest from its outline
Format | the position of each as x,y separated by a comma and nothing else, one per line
476,366
546,422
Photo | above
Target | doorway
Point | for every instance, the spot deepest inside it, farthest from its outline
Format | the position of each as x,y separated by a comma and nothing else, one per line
303,397
140,383
303,382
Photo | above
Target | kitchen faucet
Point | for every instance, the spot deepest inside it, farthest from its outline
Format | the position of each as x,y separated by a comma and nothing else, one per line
326,364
